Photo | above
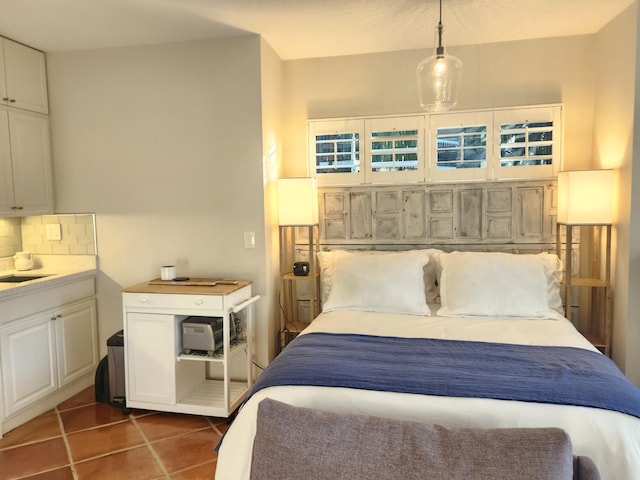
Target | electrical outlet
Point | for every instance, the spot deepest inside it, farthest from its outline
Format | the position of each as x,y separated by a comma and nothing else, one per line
249,239
53,231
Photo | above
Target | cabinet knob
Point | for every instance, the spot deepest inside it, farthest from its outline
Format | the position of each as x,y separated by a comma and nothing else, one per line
13,100
143,299
199,301
5,99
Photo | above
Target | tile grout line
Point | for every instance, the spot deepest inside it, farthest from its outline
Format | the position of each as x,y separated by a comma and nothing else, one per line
66,445
151,449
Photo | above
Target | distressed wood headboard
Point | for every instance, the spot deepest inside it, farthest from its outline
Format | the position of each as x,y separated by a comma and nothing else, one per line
504,216
518,216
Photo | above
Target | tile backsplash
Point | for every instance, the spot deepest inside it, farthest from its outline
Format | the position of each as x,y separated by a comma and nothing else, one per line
10,236
77,235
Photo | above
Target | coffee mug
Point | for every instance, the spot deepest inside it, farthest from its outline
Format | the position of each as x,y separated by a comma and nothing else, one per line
167,272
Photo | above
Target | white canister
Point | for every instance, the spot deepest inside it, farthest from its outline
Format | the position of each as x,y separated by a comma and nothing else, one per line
167,272
23,261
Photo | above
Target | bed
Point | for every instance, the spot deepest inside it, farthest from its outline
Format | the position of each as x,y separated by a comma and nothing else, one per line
433,332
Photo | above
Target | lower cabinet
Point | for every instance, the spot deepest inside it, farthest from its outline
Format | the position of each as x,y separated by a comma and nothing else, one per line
76,340
151,358
29,365
47,351
49,355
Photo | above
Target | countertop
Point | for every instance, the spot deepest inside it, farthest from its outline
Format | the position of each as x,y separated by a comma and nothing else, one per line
220,289
58,268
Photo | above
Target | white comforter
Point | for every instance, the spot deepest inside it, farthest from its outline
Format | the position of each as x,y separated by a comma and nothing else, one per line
611,439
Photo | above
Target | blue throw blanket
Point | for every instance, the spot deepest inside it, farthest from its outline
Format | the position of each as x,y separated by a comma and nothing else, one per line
558,375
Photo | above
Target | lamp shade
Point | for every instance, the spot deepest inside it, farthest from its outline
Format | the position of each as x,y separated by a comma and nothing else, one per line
585,197
298,201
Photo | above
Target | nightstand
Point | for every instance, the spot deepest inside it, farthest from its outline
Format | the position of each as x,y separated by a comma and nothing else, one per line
299,294
587,288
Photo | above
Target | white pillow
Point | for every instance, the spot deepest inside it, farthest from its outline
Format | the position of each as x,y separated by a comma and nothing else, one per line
494,284
326,261
553,271
392,283
432,270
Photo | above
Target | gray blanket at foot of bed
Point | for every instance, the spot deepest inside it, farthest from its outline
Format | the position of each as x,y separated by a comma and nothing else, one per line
300,443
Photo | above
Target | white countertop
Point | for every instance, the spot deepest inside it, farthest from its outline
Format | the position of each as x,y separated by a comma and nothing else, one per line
58,268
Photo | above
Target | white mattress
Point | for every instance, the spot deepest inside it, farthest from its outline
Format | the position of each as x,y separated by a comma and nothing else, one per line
611,439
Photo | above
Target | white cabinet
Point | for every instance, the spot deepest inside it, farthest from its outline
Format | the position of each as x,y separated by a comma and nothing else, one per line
23,77
28,361
48,349
76,340
151,348
26,185
160,375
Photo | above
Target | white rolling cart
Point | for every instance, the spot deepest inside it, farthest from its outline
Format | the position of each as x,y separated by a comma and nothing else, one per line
159,374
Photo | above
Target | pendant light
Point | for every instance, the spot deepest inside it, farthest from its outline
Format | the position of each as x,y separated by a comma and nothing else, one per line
439,78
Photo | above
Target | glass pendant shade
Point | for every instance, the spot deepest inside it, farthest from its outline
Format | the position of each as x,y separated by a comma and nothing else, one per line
439,78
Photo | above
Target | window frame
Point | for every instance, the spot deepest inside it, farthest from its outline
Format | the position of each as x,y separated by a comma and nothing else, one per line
427,125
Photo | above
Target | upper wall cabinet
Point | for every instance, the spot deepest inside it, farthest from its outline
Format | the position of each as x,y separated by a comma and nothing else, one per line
23,77
26,186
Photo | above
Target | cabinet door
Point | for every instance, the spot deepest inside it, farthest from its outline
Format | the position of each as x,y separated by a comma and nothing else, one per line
4,100
31,163
150,358
76,340
28,361
6,171
26,77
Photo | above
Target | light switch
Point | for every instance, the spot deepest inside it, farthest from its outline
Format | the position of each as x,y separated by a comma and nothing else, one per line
249,239
53,231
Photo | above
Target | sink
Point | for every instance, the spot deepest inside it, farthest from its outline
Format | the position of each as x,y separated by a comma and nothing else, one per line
20,278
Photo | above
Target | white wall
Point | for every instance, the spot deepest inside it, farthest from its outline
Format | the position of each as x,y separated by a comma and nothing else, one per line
614,145
272,100
501,74
164,144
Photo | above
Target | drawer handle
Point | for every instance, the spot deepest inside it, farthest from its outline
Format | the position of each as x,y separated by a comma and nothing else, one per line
199,301
144,299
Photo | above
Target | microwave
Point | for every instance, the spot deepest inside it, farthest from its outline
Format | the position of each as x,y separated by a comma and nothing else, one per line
205,333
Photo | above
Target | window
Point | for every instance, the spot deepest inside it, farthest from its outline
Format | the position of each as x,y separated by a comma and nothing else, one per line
461,147
336,147
394,151
505,143
338,153
372,150
528,142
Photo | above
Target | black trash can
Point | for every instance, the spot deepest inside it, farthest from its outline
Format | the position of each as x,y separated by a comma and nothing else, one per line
115,355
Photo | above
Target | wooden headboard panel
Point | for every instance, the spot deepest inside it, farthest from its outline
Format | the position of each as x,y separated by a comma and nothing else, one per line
516,216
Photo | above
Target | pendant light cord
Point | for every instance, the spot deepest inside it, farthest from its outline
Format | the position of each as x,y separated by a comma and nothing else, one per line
440,49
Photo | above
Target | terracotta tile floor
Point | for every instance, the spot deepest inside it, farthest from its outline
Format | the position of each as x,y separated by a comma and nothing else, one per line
82,440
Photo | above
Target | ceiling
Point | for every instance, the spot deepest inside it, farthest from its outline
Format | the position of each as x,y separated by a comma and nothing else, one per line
298,28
